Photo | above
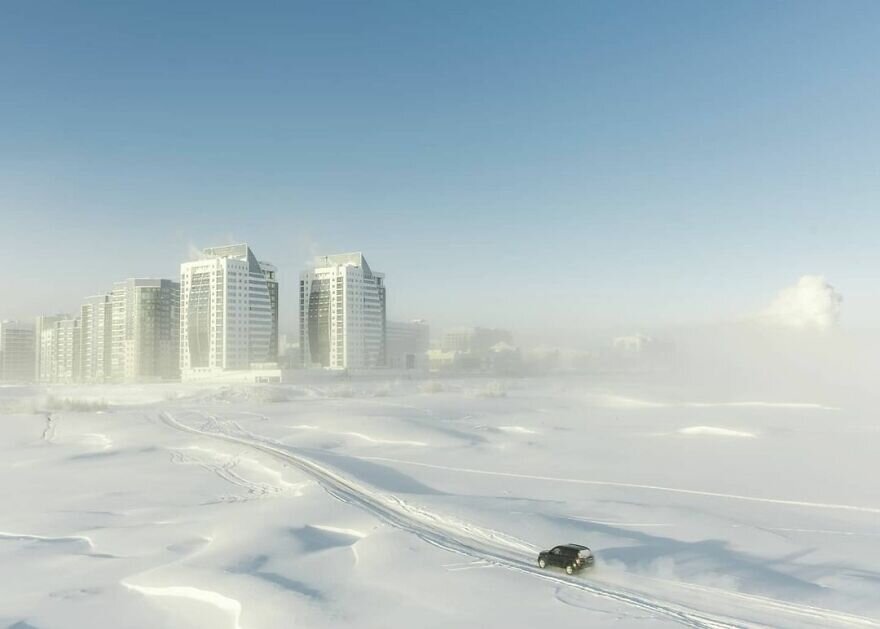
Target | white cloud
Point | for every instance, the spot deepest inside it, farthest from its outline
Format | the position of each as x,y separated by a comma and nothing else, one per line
812,303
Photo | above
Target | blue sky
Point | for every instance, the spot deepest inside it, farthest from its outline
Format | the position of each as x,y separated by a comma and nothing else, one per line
605,164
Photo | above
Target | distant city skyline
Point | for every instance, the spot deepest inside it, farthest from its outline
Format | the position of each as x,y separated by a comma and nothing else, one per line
627,165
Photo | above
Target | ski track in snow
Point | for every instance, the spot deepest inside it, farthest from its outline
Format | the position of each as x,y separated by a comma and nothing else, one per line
498,549
677,490
733,526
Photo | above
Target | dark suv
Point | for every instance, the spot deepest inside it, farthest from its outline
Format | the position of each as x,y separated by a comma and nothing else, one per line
572,557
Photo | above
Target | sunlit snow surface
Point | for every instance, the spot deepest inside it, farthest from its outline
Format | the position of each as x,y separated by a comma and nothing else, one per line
423,504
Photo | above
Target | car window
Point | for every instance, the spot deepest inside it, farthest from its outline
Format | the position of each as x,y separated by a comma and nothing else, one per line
556,551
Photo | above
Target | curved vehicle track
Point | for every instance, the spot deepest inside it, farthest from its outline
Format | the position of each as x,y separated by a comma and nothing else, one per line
484,544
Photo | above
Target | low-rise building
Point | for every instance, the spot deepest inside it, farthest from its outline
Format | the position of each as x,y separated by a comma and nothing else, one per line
474,341
406,344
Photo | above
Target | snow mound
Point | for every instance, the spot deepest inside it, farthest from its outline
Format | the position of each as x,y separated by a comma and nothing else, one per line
229,606
315,538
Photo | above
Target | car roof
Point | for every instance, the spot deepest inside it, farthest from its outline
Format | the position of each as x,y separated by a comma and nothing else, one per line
574,547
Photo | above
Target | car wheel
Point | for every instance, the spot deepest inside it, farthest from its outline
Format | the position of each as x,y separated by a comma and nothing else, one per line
542,563
569,569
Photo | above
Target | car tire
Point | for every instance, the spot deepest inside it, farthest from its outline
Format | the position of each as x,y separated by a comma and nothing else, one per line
541,563
569,569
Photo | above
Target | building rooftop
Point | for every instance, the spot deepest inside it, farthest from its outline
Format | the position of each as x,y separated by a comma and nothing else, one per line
355,258
240,252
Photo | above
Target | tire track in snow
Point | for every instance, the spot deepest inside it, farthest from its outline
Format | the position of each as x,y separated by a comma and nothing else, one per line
225,466
504,551
819,614
455,536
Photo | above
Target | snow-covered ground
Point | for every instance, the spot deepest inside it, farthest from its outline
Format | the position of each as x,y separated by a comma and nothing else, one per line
424,503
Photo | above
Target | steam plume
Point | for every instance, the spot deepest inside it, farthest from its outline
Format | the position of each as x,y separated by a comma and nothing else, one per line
812,303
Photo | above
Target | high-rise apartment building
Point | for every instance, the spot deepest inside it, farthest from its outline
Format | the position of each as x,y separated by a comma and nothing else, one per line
17,351
227,315
45,347
342,313
67,347
145,337
57,349
271,274
96,325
